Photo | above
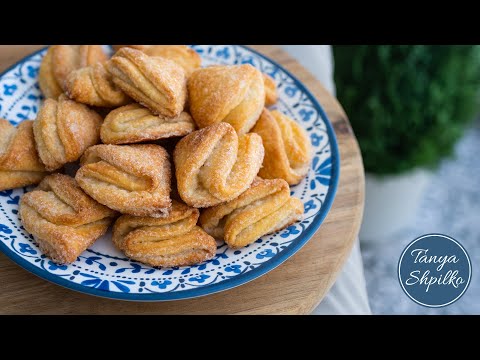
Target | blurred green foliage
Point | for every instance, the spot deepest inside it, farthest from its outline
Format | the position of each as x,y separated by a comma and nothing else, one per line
408,104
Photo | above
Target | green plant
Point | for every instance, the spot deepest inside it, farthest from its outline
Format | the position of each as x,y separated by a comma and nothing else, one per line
408,104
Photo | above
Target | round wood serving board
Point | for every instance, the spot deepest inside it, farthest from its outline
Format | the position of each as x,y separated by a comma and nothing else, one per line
295,287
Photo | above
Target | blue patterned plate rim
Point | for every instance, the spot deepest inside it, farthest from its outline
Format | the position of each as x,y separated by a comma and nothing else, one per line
244,278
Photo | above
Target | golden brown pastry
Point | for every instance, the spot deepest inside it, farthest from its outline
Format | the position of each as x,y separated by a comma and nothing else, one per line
183,55
171,241
132,179
47,81
134,123
60,61
19,162
64,220
63,130
288,152
264,208
214,164
271,95
93,85
143,48
232,94
155,82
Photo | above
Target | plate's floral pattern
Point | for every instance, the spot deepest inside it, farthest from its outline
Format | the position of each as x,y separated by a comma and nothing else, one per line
104,271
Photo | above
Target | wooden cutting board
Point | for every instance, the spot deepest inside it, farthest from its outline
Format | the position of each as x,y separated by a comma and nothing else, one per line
295,287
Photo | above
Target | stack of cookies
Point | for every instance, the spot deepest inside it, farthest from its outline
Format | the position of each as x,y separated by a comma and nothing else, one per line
174,155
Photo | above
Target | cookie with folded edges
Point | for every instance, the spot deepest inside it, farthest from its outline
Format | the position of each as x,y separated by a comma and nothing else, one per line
214,164
171,241
134,123
132,179
264,208
271,96
143,48
231,94
93,85
155,82
183,55
63,130
60,61
19,162
288,151
63,219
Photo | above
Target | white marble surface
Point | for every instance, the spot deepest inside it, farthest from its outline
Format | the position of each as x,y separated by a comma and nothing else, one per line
450,205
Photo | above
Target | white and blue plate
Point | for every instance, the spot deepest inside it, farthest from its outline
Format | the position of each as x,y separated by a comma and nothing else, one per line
104,271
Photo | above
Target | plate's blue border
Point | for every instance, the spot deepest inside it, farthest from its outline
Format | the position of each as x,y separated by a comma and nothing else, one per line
227,284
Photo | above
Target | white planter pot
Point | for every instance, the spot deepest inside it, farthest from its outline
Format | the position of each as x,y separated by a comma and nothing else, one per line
391,203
